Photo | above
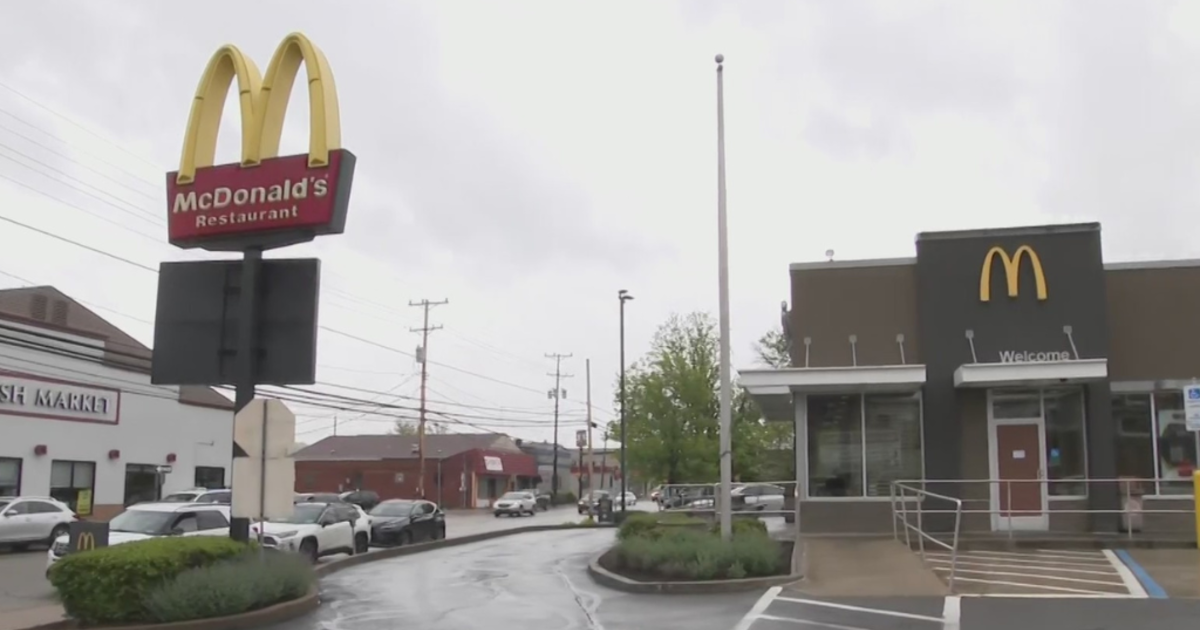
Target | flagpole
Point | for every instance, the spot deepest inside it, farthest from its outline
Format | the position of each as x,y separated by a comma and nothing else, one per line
726,407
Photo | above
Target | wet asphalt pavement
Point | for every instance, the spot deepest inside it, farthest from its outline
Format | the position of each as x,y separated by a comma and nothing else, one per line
531,581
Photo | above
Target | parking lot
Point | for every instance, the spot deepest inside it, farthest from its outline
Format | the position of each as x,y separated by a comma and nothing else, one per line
1045,573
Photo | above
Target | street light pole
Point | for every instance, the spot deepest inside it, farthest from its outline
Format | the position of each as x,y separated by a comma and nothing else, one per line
623,297
726,409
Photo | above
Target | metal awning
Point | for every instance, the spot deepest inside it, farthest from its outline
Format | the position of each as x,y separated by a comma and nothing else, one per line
773,389
1030,374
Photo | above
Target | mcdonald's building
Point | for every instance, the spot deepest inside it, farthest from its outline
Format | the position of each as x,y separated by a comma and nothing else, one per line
1014,369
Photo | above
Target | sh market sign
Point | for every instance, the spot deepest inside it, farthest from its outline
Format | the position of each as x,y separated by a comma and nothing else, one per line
265,200
31,397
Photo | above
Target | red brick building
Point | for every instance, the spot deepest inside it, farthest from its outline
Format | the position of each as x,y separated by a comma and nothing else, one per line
475,468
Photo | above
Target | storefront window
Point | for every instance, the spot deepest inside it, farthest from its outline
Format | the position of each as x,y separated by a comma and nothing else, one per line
1153,441
893,441
210,477
73,483
1066,459
1176,445
141,483
1135,437
850,437
10,477
835,446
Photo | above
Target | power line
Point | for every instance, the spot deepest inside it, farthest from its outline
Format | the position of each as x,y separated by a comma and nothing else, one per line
557,394
422,357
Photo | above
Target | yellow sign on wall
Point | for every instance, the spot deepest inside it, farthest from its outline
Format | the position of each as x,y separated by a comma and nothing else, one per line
83,503
1012,272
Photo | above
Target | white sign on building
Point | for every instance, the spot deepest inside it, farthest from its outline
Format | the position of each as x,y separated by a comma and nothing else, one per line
1191,406
36,397
492,463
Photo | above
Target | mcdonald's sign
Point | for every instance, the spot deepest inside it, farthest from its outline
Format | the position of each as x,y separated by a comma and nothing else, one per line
86,542
264,200
86,536
1012,272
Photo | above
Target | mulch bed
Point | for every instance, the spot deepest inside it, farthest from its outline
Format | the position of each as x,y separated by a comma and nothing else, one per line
608,562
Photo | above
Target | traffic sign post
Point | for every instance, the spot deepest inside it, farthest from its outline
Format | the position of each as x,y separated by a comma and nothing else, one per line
264,480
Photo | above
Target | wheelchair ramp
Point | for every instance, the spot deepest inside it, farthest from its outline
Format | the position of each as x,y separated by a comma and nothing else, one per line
874,567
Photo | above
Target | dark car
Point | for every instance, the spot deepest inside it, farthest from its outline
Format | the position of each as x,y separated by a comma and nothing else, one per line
544,499
403,522
590,502
365,499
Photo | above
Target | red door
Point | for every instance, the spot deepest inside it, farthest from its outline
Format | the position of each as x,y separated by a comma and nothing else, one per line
1019,454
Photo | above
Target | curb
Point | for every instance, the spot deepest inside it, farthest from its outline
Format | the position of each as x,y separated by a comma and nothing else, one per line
396,552
261,618
604,577
287,611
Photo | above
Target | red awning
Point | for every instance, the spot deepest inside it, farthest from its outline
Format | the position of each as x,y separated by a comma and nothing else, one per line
489,462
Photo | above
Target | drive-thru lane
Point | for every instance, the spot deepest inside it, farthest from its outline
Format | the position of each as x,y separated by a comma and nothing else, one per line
532,581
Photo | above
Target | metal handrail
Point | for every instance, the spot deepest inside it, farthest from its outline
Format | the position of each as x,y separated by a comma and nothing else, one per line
899,496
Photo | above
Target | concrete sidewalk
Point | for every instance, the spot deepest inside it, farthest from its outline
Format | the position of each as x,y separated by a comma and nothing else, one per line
1166,572
865,567
21,618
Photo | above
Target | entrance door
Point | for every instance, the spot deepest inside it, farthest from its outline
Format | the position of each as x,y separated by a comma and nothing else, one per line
1020,496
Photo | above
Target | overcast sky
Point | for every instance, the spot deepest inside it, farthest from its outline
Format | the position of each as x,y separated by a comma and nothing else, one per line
526,160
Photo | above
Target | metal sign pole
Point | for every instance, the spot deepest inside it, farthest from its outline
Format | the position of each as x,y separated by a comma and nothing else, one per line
247,357
262,483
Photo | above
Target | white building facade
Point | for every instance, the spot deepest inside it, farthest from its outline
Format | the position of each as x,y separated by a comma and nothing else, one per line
81,422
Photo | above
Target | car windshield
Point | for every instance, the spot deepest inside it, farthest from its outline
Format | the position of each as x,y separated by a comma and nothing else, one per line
303,514
392,508
515,496
142,522
3,504
180,497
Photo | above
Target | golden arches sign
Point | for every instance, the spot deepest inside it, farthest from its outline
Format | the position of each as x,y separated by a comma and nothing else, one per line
85,542
263,103
1012,272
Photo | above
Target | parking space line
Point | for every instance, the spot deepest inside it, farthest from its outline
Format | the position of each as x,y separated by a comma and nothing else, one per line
806,622
1040,577
1150,587
756,611
862,609
1028,567
951,612
1041,587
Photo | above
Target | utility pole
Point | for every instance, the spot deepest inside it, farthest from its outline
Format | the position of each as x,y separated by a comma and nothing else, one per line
723,503
558,393
422,356
590,456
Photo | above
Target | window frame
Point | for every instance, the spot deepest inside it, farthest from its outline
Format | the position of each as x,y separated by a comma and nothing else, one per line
20,473
1155,436
73,504
862,429
197,482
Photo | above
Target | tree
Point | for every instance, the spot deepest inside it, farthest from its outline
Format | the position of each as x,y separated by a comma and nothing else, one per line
773,349
672,395
410,428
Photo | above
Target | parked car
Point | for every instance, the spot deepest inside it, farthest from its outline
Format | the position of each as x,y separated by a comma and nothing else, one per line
152,520
515,503
759,497
33,520
362,530
314,529
402,522
200,495
589,503
656,494
366,499
544,499
629,499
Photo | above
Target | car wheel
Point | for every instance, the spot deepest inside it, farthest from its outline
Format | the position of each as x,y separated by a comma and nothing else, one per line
497,515
309,550
362,543
58,531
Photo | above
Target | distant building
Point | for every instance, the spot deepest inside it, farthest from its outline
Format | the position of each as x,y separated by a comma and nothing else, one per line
543,452
462,470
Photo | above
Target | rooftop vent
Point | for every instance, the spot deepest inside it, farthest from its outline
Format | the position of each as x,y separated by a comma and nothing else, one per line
58,314
38,306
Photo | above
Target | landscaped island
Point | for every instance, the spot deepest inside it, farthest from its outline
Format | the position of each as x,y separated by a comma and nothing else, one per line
667,547
168,579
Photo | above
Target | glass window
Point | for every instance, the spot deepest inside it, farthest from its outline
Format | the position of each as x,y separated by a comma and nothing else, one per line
10,476
1176,445
1135,437
893,441
185,523
73,484
211,519
835,446
1066,451
1016,404
210,477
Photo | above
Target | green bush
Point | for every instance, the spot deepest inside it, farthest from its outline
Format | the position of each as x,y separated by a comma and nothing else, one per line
750,526
109,585
648,524
564,498
691,554
231,587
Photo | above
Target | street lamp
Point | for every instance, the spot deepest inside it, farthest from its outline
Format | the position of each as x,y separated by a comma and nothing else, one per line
623,297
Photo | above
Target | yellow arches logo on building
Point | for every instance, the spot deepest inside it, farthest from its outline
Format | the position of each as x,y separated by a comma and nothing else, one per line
86,542
1012,272
263,102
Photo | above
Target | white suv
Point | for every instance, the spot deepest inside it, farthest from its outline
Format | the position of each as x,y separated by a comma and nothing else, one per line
314,530
515,503
33,520
200,495
151,520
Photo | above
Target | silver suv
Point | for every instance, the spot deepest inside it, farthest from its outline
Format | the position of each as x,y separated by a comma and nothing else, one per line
33,520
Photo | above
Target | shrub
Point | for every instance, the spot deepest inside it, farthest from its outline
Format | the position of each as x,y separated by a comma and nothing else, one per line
231,587
745,526
564,498
652,525
691,554
109,585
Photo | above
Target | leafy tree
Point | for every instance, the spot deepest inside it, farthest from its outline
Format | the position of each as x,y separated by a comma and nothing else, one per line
772,349
672,410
